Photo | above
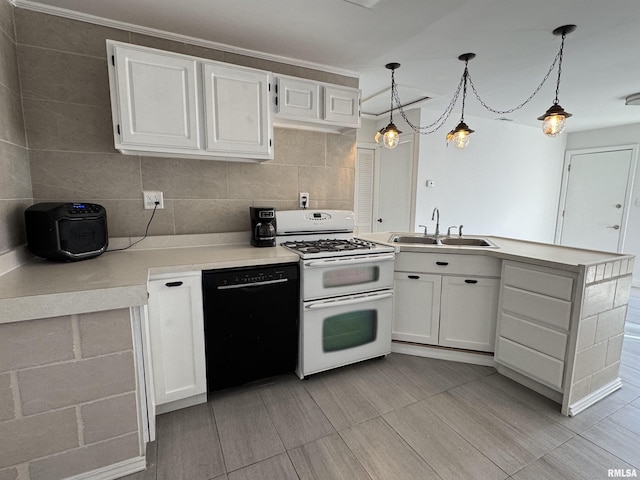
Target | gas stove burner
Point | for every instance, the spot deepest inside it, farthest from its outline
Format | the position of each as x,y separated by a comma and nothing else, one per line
329,245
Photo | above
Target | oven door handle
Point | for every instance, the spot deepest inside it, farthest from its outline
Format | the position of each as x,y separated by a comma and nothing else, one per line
348,301
349,261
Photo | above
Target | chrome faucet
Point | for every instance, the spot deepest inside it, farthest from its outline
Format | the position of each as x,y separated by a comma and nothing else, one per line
425,228
436,216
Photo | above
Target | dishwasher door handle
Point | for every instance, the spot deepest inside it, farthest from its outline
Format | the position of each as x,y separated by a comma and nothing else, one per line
254,284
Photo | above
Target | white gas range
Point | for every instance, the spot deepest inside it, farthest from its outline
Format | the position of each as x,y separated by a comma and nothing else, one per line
346,286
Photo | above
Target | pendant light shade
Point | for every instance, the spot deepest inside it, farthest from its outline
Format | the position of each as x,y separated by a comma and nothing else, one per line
459,136
391,136
553,120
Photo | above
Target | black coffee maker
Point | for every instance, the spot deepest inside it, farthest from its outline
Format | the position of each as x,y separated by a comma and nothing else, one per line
263,226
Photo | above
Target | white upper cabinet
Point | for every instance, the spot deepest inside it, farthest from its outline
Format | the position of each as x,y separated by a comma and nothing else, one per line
168,104
298,98
237,110
315,105
342,105
157,98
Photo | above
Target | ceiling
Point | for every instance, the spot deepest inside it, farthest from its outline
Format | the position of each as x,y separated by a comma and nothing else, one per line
512,40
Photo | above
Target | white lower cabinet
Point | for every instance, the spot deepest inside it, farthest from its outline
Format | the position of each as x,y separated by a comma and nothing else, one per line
468,312
457,310
534,321
176,331
416,316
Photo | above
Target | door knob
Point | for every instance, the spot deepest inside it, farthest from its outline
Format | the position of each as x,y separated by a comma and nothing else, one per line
618,205
379,220
615,227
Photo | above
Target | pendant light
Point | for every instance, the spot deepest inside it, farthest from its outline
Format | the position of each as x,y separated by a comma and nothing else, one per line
390,134
459,136
553,120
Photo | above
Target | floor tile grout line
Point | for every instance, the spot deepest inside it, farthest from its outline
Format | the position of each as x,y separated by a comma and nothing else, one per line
215,423
608,451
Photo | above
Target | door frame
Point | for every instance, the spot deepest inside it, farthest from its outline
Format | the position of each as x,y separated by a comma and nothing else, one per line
627,196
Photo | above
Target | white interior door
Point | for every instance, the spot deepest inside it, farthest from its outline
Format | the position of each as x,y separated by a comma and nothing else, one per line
596,193
394,188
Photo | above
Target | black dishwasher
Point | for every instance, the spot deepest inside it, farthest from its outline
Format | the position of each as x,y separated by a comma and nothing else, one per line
251,323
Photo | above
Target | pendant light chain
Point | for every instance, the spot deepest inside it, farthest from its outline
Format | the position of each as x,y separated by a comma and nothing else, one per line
553,119
439,122
556,101
530,97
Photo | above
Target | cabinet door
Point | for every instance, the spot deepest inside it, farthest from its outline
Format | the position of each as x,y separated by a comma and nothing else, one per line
142,78
342,105
298,98
238,118
468,312
176,328
416,307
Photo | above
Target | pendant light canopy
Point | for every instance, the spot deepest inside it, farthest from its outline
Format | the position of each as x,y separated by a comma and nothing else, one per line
553,120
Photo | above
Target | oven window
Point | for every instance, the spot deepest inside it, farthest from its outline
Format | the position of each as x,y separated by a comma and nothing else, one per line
339,277
349,330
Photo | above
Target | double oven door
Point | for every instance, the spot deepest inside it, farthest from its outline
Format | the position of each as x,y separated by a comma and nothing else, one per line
346,312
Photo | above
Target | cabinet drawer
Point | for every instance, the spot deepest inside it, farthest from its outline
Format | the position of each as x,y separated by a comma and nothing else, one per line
537,365
538,337
549,310
448,264
537,281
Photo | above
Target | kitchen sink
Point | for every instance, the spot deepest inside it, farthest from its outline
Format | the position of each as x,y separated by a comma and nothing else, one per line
414,239
452,241
472,242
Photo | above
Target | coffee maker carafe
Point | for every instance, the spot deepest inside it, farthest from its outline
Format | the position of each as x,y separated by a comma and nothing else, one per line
263,226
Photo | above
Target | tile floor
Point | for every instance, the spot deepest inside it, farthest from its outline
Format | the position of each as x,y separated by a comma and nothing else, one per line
402,417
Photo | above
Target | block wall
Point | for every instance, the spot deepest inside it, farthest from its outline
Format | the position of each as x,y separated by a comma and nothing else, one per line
67,395
601,327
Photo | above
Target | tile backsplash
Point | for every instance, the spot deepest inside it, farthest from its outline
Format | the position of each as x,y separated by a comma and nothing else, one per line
62,70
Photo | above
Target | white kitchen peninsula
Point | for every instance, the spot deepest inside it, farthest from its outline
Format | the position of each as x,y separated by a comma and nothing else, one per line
560,312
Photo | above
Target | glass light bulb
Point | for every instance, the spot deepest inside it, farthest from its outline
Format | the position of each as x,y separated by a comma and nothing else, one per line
553,125
377,137
460,139
391,139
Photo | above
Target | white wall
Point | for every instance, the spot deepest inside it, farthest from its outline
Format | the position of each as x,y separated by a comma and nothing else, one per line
608,137
505,183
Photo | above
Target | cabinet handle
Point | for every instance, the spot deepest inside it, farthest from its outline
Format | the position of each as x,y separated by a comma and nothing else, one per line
471,281
442,264
173,284
413,277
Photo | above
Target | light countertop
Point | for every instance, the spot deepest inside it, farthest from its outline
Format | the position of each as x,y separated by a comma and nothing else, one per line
544,254
41,288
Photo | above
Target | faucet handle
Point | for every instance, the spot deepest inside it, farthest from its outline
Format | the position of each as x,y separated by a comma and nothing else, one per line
460,230
449,230
425,228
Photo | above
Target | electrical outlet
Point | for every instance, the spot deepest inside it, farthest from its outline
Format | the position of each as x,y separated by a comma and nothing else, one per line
304,200
150,198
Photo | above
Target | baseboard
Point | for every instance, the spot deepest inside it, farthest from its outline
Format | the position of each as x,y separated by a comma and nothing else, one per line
594,397
117,470
453,355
